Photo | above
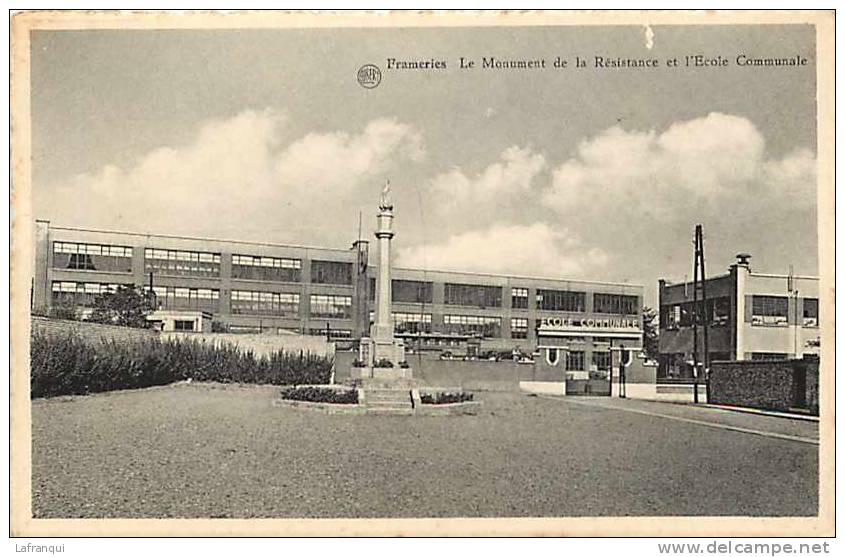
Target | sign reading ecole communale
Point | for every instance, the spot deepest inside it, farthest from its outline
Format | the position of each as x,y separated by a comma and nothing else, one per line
601,325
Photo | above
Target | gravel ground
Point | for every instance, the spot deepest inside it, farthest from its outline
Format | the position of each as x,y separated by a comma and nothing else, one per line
206,450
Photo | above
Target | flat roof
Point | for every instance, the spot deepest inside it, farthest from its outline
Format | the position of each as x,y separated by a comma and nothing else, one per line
752,273
520,277
194,238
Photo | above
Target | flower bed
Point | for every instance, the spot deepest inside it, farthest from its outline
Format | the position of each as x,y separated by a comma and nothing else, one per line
321,394
445,398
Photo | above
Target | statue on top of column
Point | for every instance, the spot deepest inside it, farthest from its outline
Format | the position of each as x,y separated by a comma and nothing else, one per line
385,203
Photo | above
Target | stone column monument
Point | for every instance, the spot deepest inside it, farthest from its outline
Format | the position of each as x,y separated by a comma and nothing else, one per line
383,354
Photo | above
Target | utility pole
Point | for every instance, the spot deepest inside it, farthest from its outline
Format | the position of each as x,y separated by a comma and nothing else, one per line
706,358
699,282
695,319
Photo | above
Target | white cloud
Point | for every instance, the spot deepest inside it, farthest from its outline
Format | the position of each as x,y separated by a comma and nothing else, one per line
339,160
704,160
716,159
495,194
236,176
537,249
511,175
637,195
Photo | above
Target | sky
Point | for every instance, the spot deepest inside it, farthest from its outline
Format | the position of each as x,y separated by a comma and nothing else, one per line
597,174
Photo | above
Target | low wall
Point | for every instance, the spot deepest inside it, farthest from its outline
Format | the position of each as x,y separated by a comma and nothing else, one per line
261,344
544,387
90,332
458,374
469,375
679,392
768,384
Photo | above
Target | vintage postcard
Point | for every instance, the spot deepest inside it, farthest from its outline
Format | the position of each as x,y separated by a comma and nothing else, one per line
467,273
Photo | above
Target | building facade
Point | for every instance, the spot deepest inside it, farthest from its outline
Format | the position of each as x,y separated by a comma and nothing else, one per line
260,287
751,316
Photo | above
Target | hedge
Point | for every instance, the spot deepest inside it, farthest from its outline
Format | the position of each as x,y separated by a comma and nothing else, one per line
317,394
445,398
65,364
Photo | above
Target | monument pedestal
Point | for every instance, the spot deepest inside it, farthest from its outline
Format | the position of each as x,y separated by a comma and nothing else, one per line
373,351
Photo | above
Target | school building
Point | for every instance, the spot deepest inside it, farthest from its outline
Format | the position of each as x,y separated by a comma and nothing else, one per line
750,316
254,287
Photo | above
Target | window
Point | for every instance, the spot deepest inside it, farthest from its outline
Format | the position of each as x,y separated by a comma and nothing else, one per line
332,333
92,257
331,306
519,327
183,263
179,297
769,310
575,360
411,322
519,298
670,316
672,366
683,315
769,356
560,300
620,304
244,329
811,312
478,325
411,291
473,295
720,311
331,272
254,267
602,361
84,294
265,303
183,325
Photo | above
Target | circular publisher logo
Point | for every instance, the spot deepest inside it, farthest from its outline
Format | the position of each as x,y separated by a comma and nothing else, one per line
369,76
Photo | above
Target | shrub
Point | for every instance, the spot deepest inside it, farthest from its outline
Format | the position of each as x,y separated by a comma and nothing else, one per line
404,365
65,364
445,398
358,363
318,394
384,362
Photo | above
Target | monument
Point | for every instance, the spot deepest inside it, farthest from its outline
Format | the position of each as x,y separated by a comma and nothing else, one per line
382,354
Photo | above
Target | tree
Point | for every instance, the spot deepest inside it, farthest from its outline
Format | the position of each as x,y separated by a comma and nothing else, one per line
650,333
127,306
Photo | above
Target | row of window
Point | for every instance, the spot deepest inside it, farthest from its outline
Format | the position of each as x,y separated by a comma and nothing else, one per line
270,262
287,304
192,263
774,311
100,257
92,249
765,311
183,263
716,313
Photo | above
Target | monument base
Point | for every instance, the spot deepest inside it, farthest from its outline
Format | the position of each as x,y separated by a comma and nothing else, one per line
384,353
382,373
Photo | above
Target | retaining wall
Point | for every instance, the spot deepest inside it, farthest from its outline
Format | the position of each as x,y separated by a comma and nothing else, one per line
261,344
91,332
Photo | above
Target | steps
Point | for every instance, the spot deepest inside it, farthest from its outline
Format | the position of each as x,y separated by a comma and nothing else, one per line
384,400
